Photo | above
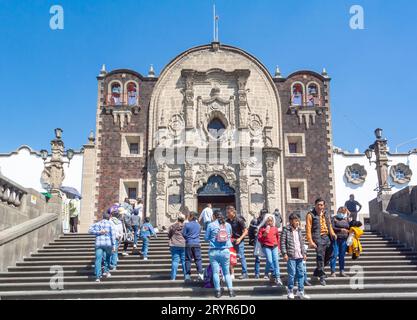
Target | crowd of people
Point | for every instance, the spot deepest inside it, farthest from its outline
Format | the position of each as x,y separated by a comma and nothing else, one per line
330,236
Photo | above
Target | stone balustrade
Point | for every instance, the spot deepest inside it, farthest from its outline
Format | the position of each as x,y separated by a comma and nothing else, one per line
11,193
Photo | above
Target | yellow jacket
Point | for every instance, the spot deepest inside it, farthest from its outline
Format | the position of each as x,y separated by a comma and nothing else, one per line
356,248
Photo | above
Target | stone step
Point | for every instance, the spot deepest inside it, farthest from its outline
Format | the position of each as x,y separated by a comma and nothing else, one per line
167,267
151,280
167,257
165,251
200,292
110,283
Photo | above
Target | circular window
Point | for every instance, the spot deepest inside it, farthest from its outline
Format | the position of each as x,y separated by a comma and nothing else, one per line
216,127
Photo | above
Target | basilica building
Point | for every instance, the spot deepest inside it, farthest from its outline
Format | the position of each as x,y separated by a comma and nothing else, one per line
214,127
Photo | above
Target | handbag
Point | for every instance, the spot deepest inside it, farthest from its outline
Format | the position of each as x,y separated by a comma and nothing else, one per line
349,240
127,235
258,250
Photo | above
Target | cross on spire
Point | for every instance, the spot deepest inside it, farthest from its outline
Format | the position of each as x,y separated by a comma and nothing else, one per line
215,25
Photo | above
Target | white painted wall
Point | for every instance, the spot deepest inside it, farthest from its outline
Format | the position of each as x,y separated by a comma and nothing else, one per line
25,167
365,192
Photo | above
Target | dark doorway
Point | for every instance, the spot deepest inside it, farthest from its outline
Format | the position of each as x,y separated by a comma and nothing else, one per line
217,192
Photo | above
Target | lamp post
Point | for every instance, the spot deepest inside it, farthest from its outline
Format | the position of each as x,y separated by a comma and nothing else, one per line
53,173
380,148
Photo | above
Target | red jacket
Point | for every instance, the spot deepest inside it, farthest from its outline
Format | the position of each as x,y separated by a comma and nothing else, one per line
271,239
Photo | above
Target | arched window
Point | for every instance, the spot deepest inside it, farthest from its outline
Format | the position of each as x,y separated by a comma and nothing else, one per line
313,97
216,127
132,94
297,94
116,91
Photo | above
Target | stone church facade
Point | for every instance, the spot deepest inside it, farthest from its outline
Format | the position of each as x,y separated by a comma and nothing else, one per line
216,127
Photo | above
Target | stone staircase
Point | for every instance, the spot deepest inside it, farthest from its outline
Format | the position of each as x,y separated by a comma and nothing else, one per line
390,271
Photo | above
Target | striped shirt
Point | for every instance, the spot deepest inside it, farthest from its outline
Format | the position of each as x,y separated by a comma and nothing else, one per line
323,225
107,239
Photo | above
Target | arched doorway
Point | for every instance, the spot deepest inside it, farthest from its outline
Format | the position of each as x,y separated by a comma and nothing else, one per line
217,192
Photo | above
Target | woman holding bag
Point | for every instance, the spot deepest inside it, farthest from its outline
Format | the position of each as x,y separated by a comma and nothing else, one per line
340,224
269,239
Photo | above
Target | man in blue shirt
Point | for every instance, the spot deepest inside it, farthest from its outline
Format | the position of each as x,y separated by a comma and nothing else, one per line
191,234
352,205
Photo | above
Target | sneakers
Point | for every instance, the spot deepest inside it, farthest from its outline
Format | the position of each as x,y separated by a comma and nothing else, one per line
145,258
323,281
301,295
307,283
244,276
135,246
113,268
232,277
98,280
290,294
333,275
124,253
343,274
107,275
218,294
278,282
232,294
266,277
201,276
257,276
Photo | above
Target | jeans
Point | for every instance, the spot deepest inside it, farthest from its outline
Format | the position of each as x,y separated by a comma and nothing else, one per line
205,225
295,268
193,253
324,253
102,253
177,255
339,250
272,257
258,265
135,234
145,246
240,250
220,259
114,256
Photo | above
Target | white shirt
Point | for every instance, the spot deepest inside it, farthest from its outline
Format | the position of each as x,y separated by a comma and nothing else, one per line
207,215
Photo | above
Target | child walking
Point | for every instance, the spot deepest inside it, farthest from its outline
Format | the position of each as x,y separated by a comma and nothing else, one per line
293,251
146,232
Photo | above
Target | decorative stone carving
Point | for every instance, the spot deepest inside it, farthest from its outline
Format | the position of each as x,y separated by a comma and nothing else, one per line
401,173
188,178
176,124
355,174
160,181
257,199
255,125
174,199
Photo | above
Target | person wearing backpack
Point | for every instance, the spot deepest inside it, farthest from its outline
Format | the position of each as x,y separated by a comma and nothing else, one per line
177,246
253,232
146,231
218,234
126,219
239,233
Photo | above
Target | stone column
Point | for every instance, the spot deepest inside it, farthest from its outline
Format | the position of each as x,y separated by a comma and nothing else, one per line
244,189
270,160
188,186
87,216
161,196
381,151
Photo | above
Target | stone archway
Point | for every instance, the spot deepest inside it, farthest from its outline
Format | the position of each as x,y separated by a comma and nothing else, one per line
217,192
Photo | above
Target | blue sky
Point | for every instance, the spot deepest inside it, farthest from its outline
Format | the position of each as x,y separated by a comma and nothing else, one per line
48,78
